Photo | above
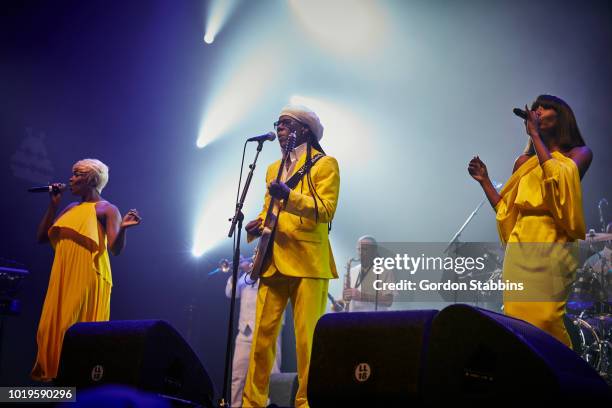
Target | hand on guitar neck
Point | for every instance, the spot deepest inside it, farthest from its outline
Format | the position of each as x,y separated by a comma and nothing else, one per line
254,227
279,190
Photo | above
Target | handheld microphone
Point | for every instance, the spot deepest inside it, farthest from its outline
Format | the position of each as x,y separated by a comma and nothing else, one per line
47,189
520,113
262,138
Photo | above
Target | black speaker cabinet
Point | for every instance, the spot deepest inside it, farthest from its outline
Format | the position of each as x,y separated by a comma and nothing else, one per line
425,358
148,354
368,359
476,355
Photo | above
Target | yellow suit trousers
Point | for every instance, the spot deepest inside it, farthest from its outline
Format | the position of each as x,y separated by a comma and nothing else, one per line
308,300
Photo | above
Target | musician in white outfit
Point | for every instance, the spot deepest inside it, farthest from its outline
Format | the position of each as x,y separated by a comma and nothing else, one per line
361,295
246,293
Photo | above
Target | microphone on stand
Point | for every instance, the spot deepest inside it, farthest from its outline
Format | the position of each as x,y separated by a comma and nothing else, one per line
601,216
262,138
47,189
338,306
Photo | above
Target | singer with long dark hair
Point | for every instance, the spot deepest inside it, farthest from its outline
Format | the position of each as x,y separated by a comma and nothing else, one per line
541,203
301,262
80,282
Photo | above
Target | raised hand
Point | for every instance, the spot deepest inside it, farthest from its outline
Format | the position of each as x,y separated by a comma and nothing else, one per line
532,123
56,193
130,219
478,170
351,294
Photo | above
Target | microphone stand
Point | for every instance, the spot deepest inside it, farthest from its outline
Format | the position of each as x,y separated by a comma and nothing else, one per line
236,226
454,242
376,301
455,239
601,216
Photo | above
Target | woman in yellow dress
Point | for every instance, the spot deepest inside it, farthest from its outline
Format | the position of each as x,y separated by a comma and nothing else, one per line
80,282
539,211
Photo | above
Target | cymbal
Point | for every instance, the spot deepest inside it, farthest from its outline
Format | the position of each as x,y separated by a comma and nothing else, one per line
598,237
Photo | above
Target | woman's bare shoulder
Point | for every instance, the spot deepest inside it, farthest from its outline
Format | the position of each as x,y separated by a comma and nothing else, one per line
582,156
106,208
580,152
519,162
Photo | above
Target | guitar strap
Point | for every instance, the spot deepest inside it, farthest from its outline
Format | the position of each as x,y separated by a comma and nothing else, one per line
292,183
297,177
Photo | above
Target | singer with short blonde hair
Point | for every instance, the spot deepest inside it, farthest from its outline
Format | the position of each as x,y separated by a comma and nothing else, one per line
80,283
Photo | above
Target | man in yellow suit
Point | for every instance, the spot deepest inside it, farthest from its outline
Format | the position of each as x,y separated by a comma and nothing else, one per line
301,261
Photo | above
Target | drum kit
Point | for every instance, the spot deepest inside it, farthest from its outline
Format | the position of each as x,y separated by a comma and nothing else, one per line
589,303
12,276
589,306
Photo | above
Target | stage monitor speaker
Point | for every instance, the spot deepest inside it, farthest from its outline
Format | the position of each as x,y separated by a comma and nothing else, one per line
368,359
283,387
476,355
148,354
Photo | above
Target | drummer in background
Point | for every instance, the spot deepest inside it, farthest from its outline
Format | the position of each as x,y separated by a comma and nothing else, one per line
601,263
246,292
361,295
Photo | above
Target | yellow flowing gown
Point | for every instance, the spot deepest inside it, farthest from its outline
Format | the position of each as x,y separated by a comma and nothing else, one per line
539,216
79,286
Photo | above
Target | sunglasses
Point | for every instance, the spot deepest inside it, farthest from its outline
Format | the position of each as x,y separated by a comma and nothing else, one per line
287,122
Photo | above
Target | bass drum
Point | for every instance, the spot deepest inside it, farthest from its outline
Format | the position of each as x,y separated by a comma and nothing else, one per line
591,340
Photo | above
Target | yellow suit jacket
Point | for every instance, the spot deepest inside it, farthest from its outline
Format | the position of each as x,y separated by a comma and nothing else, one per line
301,245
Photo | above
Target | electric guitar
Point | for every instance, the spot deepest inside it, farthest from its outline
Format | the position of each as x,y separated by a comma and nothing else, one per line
269,225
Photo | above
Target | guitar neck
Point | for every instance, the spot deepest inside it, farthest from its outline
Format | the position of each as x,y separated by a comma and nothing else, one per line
288,149
281,167
272,199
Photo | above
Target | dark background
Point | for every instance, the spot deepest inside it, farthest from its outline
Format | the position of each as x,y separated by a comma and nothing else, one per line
125,82
119,81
